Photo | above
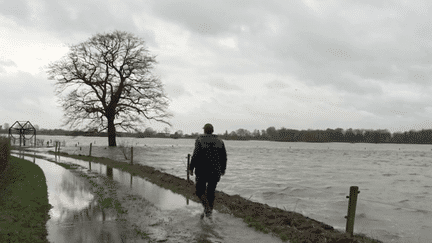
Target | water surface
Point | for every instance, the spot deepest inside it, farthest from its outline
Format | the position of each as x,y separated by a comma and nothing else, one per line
395,180
77,215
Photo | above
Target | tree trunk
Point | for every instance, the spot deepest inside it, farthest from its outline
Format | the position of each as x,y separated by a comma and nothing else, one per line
111,132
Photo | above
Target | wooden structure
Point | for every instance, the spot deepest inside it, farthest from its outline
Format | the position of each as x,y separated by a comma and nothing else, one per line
22,130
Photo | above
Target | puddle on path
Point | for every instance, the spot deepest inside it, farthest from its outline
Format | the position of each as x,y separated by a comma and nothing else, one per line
160,197
77,215
164,215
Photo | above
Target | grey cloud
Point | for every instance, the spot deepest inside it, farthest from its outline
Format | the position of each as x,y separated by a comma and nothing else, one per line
276,84
351,46
317,50
175,90
385,106
18,88
207,18
356,85
86,16
223,85
71,20
17,9
7,63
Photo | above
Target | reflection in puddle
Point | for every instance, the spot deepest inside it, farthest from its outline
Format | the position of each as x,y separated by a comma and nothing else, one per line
162,198
77,214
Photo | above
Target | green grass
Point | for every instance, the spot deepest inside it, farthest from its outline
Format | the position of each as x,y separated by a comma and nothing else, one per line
251,222
23,203
4,153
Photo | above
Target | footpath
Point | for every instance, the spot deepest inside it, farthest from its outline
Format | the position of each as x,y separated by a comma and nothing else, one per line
128,209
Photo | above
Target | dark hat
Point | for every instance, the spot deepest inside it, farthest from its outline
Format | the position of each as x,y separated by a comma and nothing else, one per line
208,128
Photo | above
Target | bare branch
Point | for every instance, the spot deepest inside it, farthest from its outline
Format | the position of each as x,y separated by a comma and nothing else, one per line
108,81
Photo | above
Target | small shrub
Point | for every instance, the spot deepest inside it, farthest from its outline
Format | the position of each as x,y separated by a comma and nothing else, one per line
284,237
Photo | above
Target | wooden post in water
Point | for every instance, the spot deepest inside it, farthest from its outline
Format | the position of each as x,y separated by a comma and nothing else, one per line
90,149
351,209
131,155
55,148
187,168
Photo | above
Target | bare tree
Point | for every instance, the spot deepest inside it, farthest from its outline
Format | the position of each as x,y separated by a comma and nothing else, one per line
107,82
166,130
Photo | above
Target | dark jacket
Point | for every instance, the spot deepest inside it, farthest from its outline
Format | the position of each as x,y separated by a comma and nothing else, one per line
209,158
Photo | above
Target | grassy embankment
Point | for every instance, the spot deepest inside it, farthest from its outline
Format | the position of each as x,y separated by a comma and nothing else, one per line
287,225
24,203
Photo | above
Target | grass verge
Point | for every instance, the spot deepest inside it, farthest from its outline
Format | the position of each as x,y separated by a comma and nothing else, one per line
24,203
286,225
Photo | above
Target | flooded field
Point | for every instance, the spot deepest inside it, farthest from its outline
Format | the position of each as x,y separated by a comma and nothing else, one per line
395,180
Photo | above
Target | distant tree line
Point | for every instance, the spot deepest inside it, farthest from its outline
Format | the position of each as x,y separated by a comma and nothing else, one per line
93,132
332,135
272,134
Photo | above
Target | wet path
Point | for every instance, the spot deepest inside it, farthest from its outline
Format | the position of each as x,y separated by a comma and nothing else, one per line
95,203
77,214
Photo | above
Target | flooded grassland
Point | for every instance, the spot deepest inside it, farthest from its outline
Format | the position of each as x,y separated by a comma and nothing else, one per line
310,179
287,225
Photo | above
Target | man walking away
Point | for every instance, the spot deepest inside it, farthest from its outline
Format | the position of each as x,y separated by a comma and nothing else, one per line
209,160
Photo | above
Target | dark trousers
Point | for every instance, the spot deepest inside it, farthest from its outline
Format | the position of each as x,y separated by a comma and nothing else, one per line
205,190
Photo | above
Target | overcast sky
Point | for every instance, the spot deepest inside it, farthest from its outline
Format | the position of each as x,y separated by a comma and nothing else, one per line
238,64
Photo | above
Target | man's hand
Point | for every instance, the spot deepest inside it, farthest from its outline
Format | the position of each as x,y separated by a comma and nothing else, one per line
191,172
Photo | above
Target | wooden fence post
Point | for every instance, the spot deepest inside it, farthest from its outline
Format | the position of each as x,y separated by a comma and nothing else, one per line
187,168
90,149
131,155
56,148
351,210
